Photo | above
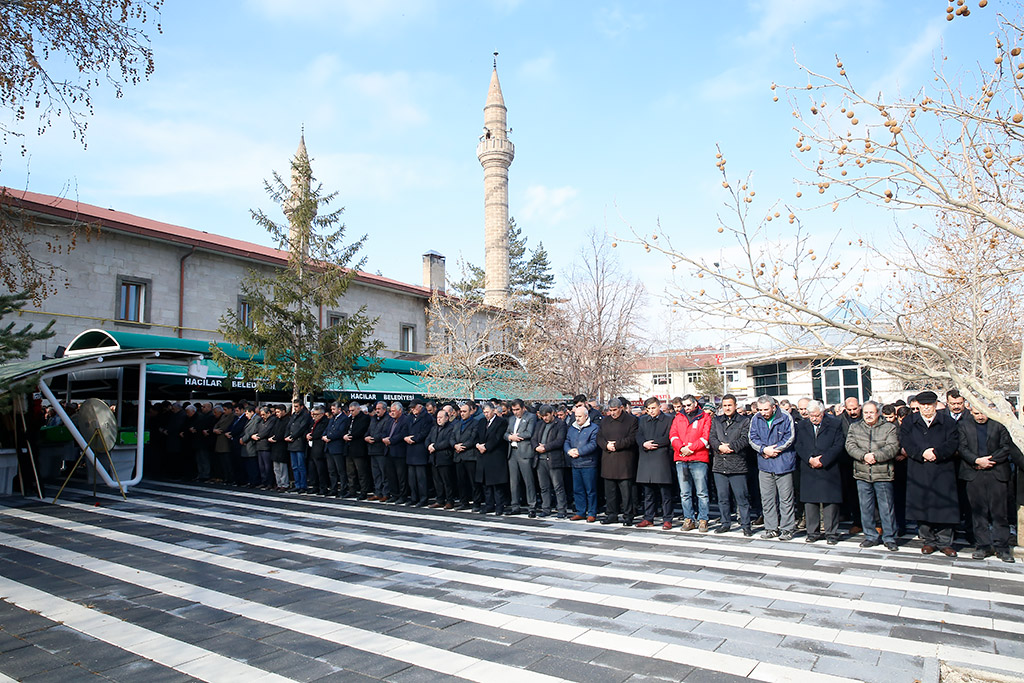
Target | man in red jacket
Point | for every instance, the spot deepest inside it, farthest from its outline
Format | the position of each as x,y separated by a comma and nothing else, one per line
690,432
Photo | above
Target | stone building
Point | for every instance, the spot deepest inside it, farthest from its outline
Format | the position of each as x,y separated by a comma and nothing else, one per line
137,274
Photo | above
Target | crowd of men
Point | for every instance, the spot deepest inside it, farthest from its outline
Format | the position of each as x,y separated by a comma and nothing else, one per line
941,466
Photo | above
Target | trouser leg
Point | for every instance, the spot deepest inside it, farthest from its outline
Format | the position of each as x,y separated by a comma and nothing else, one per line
812,511
866,498
611,498
557,475
266,468
380,480
787,502
281,473
769,506
649,502
724,503
626,494
884,496
830,514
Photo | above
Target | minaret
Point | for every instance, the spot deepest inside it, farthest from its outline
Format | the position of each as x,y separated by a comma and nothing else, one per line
300,190
495,153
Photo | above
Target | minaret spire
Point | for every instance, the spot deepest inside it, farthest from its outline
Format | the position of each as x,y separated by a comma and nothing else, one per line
298,202
495,153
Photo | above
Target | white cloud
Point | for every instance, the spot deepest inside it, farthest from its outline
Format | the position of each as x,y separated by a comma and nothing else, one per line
923,47
348,15
379,176
780,18
613,22
322,70
391,94
550,205
538,70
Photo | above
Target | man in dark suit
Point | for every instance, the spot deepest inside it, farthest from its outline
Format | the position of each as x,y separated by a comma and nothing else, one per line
396,448
985,452
547,445
318,474
931,440
295,438
520,456
380,424
336,428
492,462
820,445
357,460
467,435
417,459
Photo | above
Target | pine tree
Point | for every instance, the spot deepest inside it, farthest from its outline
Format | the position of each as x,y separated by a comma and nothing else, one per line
282,332
15,344
530,279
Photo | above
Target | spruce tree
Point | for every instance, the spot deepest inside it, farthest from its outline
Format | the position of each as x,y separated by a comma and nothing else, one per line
283,334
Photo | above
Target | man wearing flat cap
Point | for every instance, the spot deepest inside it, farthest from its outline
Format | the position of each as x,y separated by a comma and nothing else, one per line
931,440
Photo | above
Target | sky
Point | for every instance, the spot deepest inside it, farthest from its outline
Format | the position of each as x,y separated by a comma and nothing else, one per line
616,109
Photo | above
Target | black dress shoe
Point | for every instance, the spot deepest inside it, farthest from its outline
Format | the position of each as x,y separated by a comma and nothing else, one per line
891,546
868,543
1005,555
515,511
532,514
610,520
723,529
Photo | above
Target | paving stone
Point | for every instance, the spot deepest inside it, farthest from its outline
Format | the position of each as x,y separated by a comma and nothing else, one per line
575,670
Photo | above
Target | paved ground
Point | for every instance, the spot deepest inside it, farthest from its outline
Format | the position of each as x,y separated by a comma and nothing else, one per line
186,582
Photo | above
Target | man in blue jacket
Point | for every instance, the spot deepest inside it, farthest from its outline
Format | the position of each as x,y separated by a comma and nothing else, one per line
771,437
581,443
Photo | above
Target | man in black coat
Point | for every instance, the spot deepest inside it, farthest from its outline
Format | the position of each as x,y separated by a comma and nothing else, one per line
467,434
655,472
731,454
492,461
931,441
262,439
549,460
441,447
820,446
985,452
395,468
357,460
335,447
377,449
319,478
295,438
417,458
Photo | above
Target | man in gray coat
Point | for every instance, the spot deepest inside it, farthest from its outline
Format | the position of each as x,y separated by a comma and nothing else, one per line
874,443
520,429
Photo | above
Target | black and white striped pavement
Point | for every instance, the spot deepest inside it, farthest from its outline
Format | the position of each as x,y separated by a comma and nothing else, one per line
196,583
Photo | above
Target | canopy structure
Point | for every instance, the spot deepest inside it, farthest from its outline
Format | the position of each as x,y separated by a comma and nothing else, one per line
101,359
396,380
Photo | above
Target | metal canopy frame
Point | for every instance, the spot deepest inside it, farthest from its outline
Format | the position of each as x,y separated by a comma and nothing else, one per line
100,358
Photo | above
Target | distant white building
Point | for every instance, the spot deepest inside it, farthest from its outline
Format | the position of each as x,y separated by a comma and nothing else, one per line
748,374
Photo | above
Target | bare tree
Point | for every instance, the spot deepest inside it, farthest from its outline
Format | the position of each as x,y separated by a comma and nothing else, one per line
588,341
472,350
952,153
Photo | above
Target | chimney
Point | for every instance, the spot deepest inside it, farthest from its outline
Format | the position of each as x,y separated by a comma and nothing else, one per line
433,271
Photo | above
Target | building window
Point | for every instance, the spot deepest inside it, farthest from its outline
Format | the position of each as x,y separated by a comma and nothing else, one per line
335,318
245,312
132,299
730,376
407,338
661,378
692,377
770,379
837,380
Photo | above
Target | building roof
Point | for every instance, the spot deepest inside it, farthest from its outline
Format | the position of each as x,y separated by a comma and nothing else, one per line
688,359
119,221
